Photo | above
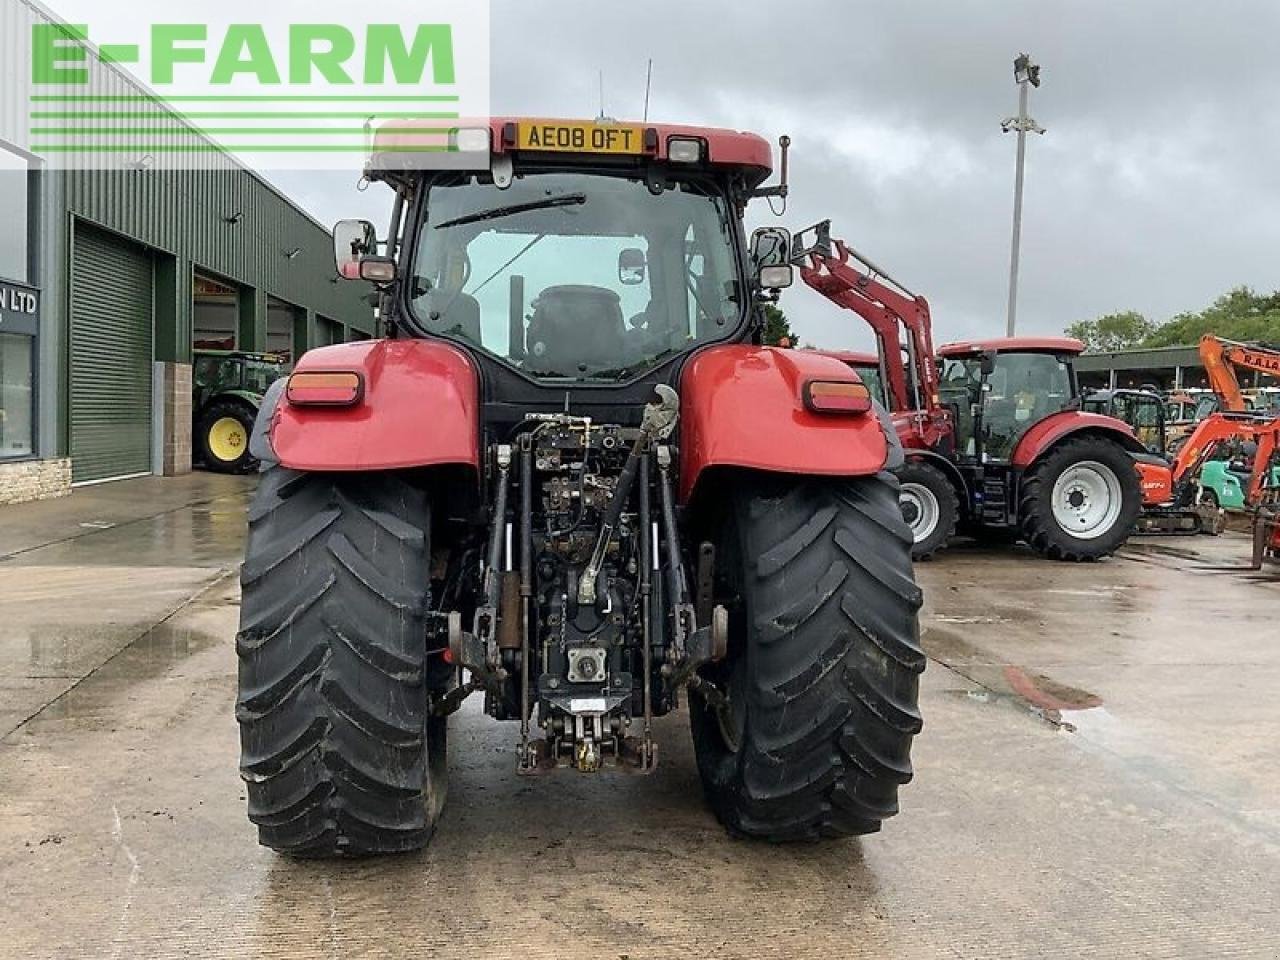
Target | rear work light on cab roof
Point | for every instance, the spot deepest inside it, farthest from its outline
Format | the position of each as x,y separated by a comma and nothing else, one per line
837,396
684,150
330,389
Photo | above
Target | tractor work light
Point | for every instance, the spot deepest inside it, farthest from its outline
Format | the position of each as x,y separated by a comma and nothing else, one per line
829,396
325,389
684,150
471,140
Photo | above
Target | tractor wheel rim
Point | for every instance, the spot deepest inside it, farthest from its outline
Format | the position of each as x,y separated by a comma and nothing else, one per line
1087,500
920,509
227,439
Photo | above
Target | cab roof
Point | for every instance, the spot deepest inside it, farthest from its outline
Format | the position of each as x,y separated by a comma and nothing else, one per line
724,147
854,358
1012,345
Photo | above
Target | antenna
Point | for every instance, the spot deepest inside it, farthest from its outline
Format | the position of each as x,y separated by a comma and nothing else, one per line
648,88
601,117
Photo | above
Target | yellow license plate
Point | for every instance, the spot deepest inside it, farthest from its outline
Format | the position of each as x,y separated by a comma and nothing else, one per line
581,138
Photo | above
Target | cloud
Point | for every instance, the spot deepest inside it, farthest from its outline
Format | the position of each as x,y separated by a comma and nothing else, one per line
1154,189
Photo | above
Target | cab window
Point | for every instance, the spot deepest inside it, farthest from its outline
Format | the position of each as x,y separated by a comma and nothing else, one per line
1023,390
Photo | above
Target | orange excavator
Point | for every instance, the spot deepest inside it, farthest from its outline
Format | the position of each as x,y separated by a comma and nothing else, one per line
1235,424
1222,358
1218,430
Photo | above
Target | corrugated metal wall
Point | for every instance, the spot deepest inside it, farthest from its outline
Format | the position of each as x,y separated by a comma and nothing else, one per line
182,213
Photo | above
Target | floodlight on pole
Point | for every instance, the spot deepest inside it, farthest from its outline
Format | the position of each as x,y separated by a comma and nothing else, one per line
1026,74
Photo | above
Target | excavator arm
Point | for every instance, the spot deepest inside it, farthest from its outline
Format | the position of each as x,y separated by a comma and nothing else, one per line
850,280
1220,428
1222,358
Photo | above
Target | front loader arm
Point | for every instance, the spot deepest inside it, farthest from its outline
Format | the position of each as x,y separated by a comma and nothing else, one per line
850,280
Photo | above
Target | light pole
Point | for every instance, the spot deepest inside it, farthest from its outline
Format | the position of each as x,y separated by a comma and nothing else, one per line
1025,74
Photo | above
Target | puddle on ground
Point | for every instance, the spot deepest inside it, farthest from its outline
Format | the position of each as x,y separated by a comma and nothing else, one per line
1053,702
1116,590
1162,550
950,647
1048,694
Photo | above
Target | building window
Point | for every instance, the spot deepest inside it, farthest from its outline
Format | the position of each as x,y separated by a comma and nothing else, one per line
17,380
15,198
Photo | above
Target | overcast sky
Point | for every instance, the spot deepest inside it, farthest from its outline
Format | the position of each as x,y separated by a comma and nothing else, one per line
1156,188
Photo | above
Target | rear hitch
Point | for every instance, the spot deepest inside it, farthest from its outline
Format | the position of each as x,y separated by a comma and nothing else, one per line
470,650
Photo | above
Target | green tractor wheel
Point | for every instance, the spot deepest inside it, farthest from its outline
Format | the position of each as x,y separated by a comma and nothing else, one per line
223,436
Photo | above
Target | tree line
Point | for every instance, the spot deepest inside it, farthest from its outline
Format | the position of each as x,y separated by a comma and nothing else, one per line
1240,314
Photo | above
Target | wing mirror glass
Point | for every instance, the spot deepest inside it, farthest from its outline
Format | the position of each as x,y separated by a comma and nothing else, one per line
632,267
353,240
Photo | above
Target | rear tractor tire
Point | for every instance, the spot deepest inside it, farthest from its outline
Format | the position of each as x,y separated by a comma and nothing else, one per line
338,750
929,506
824,661
1081,500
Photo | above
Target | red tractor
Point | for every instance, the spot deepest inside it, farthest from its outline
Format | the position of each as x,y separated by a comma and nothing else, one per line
996,443
571,481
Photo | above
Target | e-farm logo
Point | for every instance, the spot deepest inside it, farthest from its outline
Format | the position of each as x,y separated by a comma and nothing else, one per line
274,94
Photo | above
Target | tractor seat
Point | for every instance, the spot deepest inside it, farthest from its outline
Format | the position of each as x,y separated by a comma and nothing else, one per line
575,327
460,316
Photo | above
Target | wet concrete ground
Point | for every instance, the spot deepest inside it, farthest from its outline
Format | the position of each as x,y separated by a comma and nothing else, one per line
1097,777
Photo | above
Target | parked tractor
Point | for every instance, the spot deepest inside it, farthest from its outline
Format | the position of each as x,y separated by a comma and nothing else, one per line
571,481
996,443
227,390
1143,410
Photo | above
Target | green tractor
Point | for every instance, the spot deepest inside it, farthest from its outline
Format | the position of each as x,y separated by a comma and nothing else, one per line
227,390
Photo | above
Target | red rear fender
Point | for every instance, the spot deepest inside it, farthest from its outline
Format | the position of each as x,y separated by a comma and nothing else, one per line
743,406
1059,425
420,408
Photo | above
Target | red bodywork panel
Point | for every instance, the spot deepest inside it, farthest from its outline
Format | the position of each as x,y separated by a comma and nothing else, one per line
743,406
1056,426
420,408
1012,345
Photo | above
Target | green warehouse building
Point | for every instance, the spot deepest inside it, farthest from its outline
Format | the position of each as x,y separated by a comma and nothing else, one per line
110,278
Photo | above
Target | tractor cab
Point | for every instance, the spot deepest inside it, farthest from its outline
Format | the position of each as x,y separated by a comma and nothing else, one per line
999,389
1143,410
568,255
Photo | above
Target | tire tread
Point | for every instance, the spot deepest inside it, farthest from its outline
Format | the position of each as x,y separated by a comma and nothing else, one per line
332,700
832,662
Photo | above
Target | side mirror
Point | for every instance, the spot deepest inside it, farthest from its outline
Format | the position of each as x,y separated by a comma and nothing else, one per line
632,267
353,240
771,255
988,363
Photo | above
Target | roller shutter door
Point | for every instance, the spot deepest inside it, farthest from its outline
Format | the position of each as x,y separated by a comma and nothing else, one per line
111,354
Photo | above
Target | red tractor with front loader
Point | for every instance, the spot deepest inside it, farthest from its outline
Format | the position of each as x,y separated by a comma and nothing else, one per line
569,480
996,444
